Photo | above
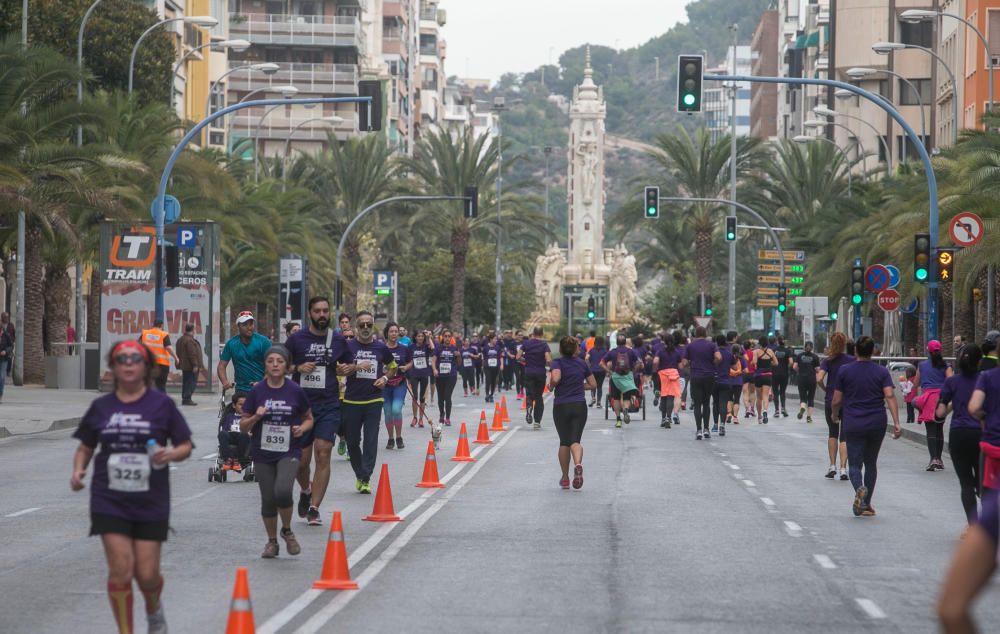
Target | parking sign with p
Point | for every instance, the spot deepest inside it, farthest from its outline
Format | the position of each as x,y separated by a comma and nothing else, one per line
187,237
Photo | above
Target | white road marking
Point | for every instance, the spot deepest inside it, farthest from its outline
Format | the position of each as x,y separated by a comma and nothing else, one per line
24,512
795,434
210,456
734,467
793,529
825,561
749,483
341,600
723,455
300,603
194,497
871,608
767,501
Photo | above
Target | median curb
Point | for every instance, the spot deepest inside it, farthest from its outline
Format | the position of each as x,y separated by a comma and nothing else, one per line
57,425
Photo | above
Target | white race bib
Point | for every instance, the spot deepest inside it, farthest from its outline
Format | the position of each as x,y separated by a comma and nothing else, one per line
420,363
491,362
466,362
366,369
128,472
444,368
315,380
275,438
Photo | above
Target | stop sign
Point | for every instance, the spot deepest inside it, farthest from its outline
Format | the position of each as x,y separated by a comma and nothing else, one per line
888,300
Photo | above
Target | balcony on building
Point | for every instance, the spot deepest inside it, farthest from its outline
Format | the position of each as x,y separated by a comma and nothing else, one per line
336,79
278,126
393,36
455,112
393,9
298,30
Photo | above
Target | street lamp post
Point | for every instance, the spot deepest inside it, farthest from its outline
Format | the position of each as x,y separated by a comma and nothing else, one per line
823,111
884,48
333,119
206,21
816,123
237,46
256,139
803,139
284,91
731,299
861,73
498,107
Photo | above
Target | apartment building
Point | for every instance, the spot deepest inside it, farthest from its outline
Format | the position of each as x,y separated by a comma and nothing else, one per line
949,95
764,97
433,51
716,97
904,77
400,43
790,58
985,15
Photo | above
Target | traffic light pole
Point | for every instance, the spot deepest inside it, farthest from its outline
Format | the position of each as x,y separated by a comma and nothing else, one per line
731,313
932,285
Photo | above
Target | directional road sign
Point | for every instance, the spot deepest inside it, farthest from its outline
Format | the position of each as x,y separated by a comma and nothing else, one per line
876,278
888,300
966,229
775,268
790,256
911,307
893,275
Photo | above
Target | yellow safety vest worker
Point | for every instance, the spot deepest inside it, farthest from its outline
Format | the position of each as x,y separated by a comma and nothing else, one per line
153,339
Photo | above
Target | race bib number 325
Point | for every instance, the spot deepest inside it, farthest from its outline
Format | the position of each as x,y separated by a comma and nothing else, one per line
128,472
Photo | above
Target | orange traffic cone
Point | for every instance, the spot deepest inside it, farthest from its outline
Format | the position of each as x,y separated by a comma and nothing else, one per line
503,409
462,451
483,438
524,404
497,420
430,479
335,575
545,388
383,511
240,610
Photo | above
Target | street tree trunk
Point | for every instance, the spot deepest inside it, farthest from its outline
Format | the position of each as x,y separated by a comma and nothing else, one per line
351,282
34,307
459,252
58,297
703,258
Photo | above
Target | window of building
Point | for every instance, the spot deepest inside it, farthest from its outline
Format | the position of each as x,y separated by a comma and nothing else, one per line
908,98
920,33
430,78
911,151
308,7
993,33
216,138
428,44
276,7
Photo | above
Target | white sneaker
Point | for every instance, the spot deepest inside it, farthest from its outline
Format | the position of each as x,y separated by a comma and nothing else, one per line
157,621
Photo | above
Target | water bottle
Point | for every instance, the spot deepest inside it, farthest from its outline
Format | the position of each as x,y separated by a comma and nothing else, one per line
151,448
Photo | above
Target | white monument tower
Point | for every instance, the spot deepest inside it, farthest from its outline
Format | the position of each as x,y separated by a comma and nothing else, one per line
586,262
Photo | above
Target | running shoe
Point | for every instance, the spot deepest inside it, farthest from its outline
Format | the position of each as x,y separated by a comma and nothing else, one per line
707,434
626,417
666,423
156,621
391,444
304,499
722,430
413,423
578,476
715,428
764,419
270,550
832,473
593,402
663,422
684,406
868,511
520,396
357,485
291,544
677,419
859,500
747,414
784,414
312,517
399,443
802,412
420,424
365,488
341,447
809,419
931,466
466,394
939,465
537,426
656,400
447,422
843,475
527,417
564,483
698,436
618,423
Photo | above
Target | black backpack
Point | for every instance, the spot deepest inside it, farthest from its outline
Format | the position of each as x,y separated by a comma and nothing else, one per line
623,363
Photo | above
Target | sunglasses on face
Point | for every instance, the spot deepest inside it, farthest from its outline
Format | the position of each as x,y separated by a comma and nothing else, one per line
128,358
366,325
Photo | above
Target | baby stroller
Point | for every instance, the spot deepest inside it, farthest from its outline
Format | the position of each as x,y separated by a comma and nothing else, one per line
234,445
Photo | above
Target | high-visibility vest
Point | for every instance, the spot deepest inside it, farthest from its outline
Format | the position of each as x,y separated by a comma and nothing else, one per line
588,343
153,339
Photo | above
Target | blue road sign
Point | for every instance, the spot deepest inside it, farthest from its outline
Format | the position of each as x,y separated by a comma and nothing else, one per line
893,275
187,237
877,278
911,307
383,282
171,209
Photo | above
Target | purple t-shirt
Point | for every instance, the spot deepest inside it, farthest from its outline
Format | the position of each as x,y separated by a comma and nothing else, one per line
448,360
722,370
832,368
701,354
570,388
958,390
596,356
533,352
477,359
862,386
421,357
375,356
468,362
989,383
669,358
493,356
230,421
271,436
125,484
989,517
931,377
321,384
611,358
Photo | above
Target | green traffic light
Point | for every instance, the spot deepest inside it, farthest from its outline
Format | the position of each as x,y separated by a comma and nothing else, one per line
730,236
651,211
833,316
781,308
856,298
689,99
591,314
920,274
708,312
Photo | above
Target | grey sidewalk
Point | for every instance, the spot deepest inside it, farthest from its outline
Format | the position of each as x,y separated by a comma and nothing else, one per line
32,410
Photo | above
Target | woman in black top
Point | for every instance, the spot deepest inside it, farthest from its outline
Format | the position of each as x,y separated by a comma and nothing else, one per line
779,379
805,367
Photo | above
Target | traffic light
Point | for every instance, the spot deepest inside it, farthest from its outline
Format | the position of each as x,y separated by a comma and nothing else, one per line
708,306
782,299
471,202
833,315
652,197
689,79
921,256
857,285
370,88
591,308
977,294
730,228
946,264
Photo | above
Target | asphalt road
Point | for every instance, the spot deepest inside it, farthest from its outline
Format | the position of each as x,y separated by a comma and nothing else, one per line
668,534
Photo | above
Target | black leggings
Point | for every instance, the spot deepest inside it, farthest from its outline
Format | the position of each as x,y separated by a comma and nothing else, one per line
570,419
275,480
479,375
507,376
720,401
534,384
780,384
491,380
468,378
701,397
445,386
807,392
963,445
418,385
599,376
519,377
935,439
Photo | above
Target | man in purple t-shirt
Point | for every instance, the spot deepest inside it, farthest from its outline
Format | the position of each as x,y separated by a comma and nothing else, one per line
536,356
859,400
702,355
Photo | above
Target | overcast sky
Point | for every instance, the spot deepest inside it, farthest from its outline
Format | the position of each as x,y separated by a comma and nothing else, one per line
487,38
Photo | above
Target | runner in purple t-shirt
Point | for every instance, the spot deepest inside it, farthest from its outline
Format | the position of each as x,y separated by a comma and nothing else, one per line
965,433
535,355
620,363
826,377
702,356
569,379
130,490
